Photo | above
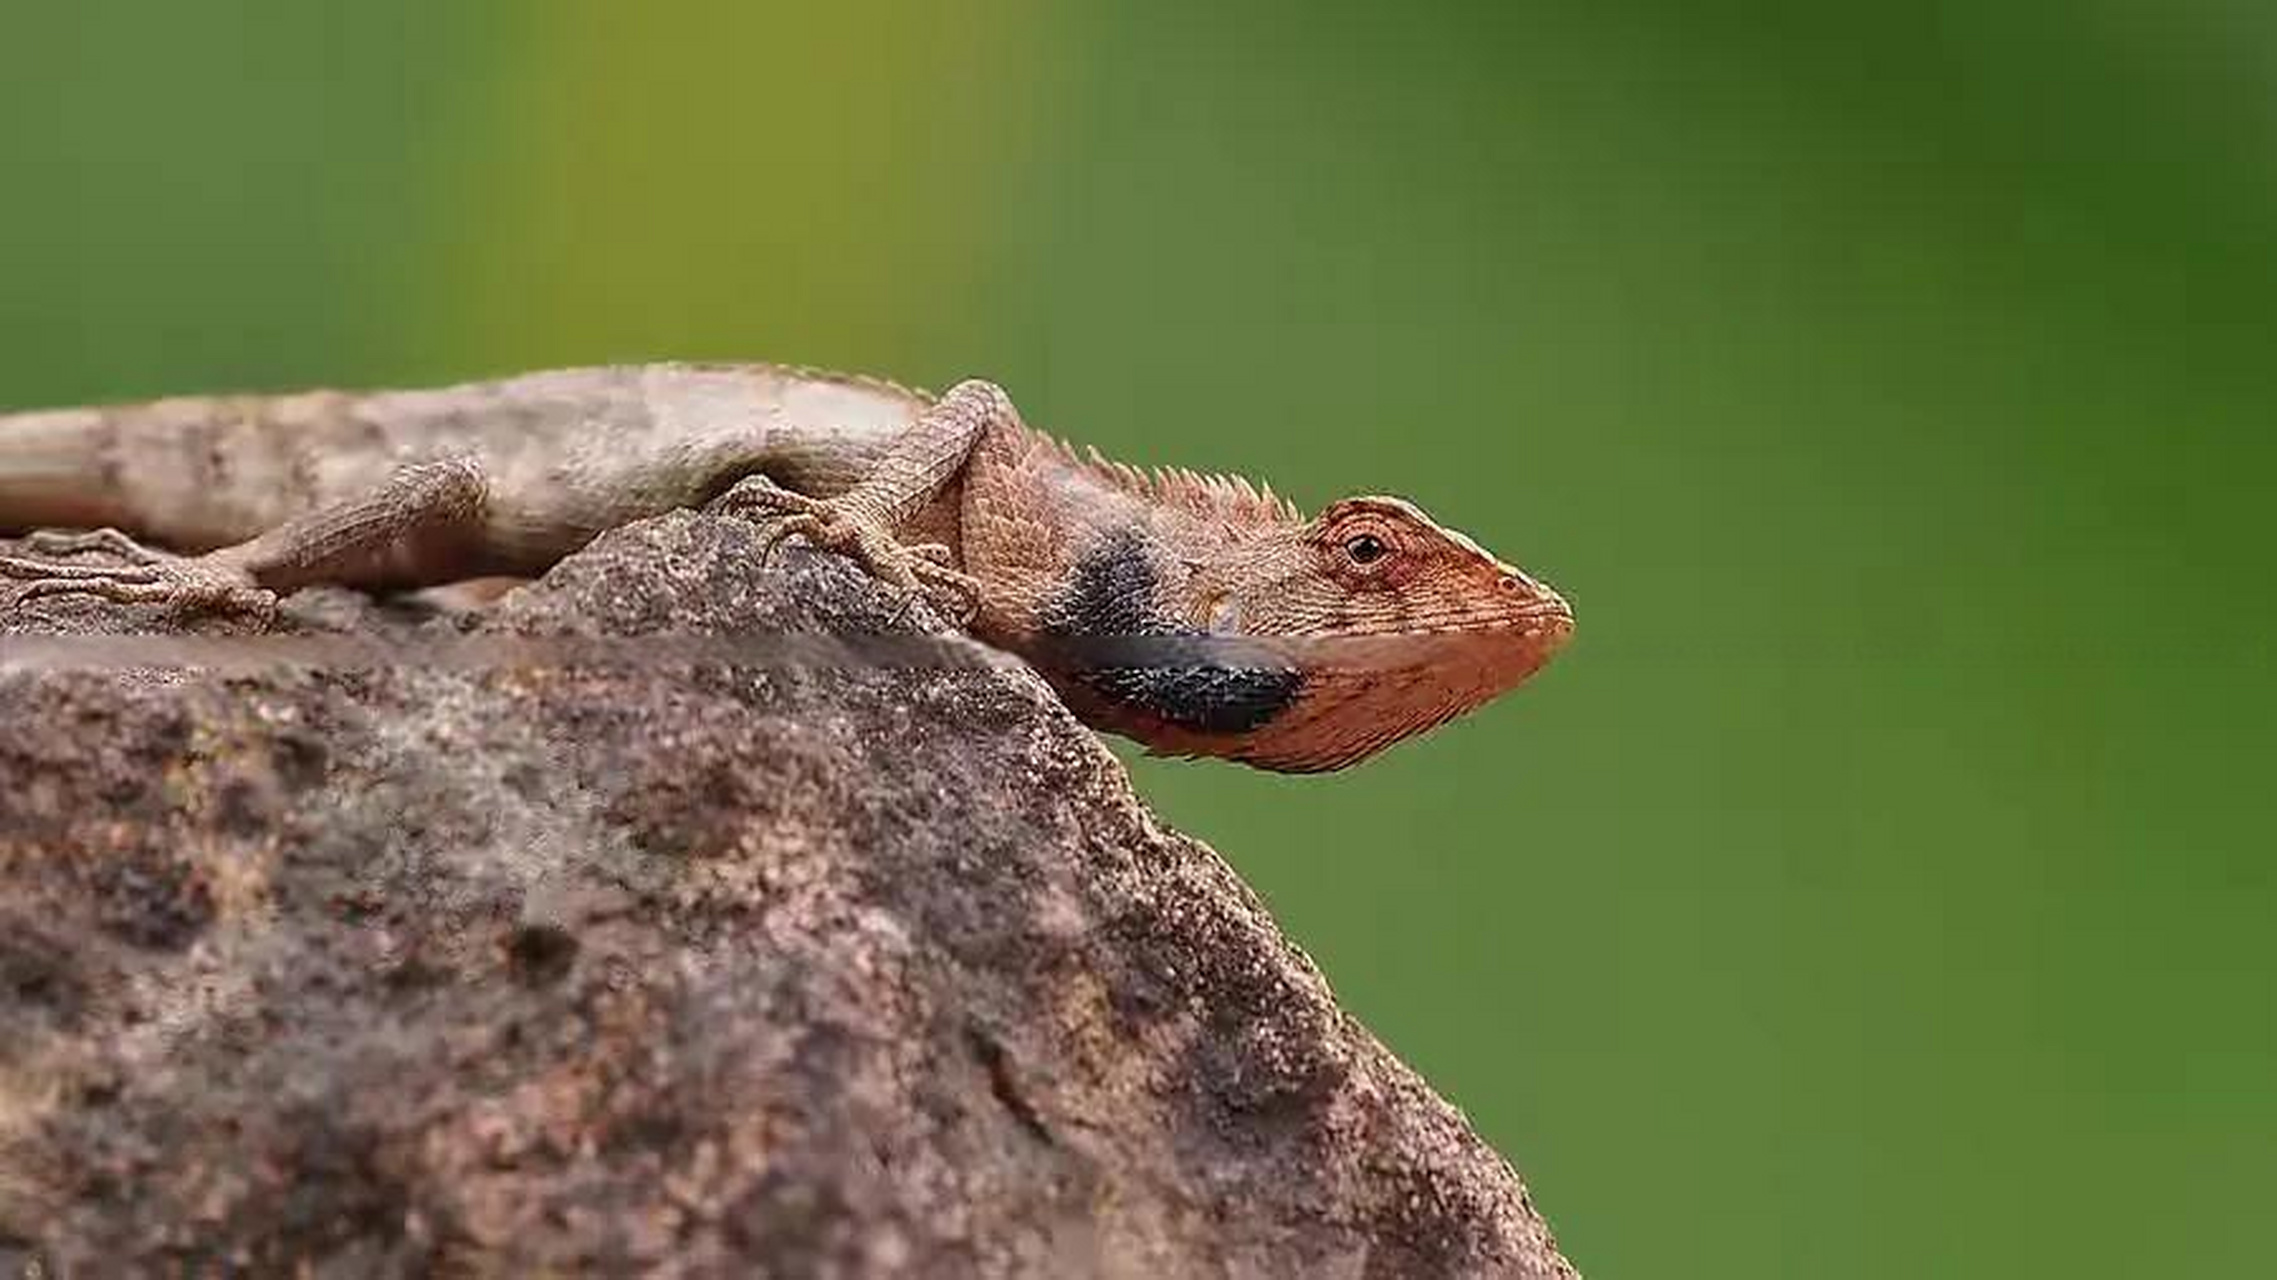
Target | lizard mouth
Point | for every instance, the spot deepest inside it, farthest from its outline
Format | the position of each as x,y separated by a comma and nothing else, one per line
1554,619
1548,618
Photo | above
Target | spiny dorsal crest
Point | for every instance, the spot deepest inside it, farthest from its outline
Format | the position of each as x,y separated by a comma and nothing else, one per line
1229,498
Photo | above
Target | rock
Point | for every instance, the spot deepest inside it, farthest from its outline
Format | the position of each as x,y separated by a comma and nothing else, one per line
665,964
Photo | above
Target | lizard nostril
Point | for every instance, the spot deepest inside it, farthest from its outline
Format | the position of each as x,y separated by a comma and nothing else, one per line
1509,582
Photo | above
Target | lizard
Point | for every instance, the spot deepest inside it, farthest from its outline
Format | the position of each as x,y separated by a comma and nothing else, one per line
1018,538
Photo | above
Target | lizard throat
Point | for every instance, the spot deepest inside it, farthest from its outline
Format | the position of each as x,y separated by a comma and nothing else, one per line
1113,593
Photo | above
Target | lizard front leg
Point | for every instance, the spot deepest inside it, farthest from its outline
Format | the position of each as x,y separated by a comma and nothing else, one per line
865,521
420,499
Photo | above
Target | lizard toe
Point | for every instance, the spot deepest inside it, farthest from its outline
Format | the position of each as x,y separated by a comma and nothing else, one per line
776,530
756,497
37,572
886,559
954,595
71,542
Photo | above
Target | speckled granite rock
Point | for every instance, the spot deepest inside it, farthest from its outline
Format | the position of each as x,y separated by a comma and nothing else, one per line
670,967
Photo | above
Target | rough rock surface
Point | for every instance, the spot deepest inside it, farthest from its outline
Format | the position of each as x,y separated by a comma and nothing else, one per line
676,967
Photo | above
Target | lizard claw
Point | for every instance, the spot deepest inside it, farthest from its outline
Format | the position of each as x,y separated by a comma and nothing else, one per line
191,585
923,569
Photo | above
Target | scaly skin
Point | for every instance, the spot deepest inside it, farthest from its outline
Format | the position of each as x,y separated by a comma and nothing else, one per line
1027,545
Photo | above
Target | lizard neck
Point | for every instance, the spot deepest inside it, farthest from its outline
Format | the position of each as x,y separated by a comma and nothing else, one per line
1145,579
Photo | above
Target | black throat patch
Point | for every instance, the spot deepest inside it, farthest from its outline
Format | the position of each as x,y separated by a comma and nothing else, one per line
1112,594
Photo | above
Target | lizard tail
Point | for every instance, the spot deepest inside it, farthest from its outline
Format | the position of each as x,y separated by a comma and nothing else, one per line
58,469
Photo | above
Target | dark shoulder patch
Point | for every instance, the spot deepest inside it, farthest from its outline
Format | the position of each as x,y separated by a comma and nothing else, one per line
1111,595
1111,592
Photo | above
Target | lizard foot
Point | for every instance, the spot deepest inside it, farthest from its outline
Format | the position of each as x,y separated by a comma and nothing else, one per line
921,569
187,585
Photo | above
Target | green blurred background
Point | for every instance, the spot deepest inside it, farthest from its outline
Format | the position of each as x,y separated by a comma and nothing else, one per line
1880,886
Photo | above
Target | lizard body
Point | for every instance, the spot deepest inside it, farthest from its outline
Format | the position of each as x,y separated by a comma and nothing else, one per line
1026,541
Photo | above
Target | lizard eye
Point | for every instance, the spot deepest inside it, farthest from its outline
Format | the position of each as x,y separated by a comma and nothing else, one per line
1365,548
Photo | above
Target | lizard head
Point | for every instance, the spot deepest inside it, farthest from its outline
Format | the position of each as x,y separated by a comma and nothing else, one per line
1420,625
1393,624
